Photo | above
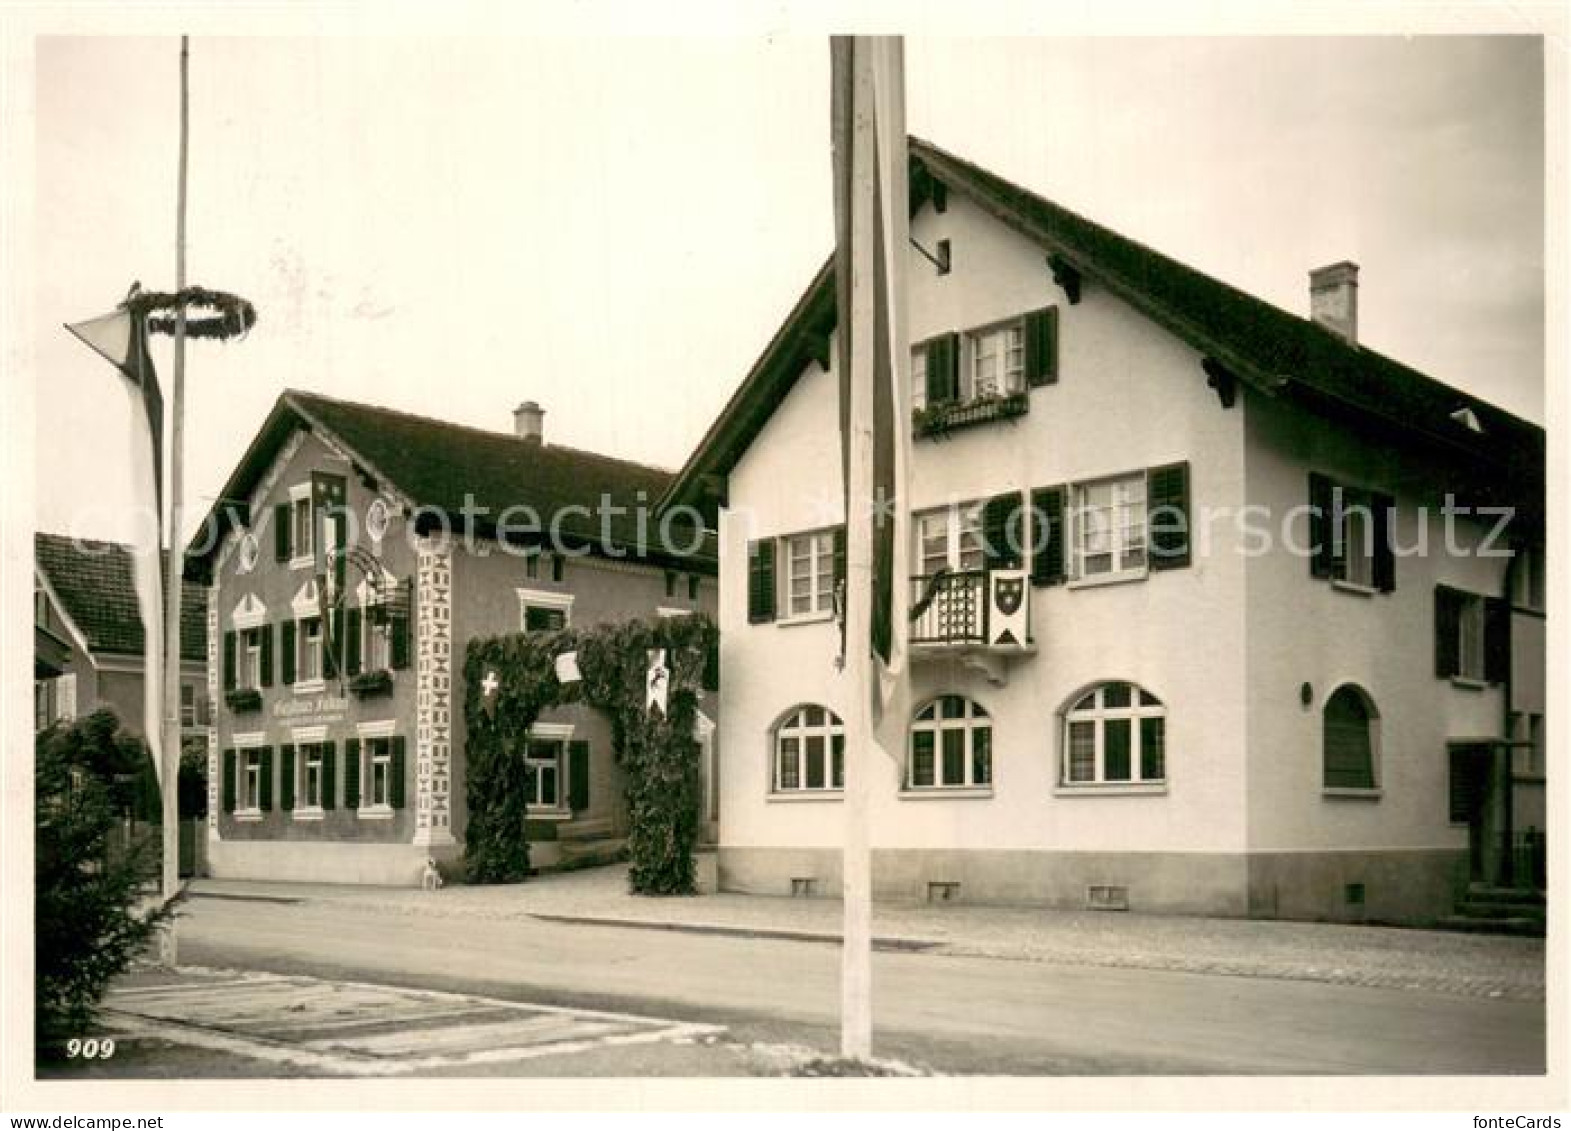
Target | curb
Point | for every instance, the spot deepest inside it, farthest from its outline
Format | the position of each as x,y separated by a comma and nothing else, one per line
887,943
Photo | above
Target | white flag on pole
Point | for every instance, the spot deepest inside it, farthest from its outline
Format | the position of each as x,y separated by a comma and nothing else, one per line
120,338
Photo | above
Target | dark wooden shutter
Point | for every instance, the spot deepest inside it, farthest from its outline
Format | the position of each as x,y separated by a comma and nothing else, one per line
286,778
943,368
1002,531
761,581
839,555
287,648
1497,640
329,777
229,661
267,655
266,801
1320,519
1167,508
395,781
398,624
229,781
1041,343
332,642
1448,618
1047,558
351,773
281,548
578,775
352,644
1384,507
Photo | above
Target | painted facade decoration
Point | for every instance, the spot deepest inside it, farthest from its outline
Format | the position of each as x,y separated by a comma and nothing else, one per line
1131,684
334,652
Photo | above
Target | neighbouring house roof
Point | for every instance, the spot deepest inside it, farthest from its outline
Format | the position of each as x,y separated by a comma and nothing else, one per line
441,467
93,582
1275,352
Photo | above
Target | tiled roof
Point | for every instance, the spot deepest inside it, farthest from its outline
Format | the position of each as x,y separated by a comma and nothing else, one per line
93,581
444,467
1276,352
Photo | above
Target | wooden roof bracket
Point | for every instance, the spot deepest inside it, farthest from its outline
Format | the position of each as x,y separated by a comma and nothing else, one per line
1222,379
1066,275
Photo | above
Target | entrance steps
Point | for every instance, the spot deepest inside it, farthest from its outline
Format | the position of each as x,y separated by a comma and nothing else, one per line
1497,910
588,844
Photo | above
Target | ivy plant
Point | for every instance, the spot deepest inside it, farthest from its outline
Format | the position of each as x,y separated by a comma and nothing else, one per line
656,750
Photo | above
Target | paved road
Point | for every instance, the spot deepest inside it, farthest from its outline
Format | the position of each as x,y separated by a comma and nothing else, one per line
950,1013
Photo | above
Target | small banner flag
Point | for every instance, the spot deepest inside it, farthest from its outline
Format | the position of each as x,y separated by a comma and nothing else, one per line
1006,618
488,689
657,682
567,668
120,338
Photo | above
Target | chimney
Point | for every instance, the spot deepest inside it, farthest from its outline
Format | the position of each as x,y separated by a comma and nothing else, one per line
529,423
1333,299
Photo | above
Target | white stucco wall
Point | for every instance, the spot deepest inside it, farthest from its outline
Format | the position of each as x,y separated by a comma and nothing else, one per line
1129,397
1303,629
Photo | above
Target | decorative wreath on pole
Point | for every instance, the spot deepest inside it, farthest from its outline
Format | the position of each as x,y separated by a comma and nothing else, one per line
209,314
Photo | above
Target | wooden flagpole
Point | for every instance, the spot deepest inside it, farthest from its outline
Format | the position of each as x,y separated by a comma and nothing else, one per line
174,557
855,101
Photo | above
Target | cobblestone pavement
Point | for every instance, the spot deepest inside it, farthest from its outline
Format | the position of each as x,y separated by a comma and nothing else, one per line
1442,962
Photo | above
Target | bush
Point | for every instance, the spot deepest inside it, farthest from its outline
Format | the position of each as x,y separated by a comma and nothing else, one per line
87,929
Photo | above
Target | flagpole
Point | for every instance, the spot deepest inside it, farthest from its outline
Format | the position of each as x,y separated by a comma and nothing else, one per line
853,135
174,557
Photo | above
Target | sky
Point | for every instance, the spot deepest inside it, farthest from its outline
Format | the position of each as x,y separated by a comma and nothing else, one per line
615,227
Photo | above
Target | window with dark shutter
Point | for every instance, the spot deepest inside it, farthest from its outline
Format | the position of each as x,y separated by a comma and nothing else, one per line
329,779
1497,640
1167,503
1384,507
839,557
229,661
352,773
281,520
943,368
395,784
1448,629
761,581
578,775
229,781
1047,537
1320,519
1348,740
286,778
287,652
1003,531
266,654
265,803
1041,345
398,620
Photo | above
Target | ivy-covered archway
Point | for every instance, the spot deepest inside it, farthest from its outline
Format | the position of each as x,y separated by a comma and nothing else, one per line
510,680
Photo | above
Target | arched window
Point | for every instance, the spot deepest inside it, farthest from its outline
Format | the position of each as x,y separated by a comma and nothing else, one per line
951,745
1350,723
809,750
1115,733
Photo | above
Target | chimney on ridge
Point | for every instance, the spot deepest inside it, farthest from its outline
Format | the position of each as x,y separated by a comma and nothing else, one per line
1333,299
529,423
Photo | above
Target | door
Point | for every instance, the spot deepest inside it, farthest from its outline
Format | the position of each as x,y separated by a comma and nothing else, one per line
1470,773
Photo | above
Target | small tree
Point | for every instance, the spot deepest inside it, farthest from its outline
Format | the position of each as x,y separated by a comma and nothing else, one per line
87,928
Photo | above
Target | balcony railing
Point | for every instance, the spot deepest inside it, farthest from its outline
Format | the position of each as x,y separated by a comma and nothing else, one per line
950,608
